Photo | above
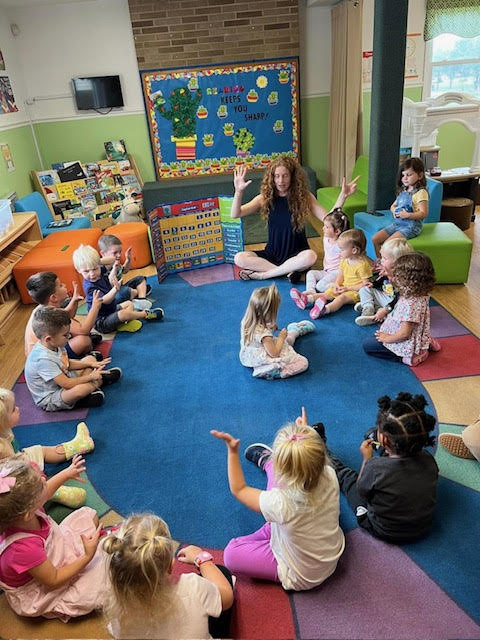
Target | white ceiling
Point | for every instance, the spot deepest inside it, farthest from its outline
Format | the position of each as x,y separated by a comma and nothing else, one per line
15,4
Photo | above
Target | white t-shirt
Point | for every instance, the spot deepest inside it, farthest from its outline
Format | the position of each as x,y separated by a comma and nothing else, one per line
196,599
306,538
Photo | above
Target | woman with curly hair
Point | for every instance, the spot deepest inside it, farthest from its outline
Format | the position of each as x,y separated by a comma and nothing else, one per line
285,202
405,334
394,494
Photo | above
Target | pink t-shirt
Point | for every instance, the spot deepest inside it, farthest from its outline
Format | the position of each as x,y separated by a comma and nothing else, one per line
331,257
23,555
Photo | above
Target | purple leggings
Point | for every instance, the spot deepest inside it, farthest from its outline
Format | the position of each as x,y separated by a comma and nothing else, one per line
251,555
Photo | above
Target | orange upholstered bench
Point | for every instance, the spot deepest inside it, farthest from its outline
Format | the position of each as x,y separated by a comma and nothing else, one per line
54,253
135,235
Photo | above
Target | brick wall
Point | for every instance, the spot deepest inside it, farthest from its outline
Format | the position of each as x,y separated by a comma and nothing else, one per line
181,33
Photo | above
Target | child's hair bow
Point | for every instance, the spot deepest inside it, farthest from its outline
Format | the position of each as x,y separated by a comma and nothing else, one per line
6,483
297,436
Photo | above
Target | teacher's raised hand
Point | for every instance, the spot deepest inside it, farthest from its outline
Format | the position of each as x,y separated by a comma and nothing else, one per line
239,181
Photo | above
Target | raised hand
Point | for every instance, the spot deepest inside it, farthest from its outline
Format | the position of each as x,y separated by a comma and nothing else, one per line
349,188
76,296
239,179
302,421
97,299
231,442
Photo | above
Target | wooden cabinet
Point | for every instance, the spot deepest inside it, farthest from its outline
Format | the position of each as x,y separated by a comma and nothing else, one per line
23,236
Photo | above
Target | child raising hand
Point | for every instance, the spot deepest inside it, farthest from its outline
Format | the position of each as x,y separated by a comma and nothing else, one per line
301,541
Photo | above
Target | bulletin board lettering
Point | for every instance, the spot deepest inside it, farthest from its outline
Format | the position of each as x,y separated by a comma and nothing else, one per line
205,121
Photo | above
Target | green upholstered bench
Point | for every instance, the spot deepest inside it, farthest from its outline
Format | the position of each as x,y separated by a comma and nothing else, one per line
449,249
327,196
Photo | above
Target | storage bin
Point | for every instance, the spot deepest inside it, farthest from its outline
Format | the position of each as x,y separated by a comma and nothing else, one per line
6,217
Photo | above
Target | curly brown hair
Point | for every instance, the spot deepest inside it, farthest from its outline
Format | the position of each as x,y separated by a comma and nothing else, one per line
413,275
298,196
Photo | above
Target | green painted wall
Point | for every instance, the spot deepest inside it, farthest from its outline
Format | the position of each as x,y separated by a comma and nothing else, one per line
83,140
314,113
24,156
456,145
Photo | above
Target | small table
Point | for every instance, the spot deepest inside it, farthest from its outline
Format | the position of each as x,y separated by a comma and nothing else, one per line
460,183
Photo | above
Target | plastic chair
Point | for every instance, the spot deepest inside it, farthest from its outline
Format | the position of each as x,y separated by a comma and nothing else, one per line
35,202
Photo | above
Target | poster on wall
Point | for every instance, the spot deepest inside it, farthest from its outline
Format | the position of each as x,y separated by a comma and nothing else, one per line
413,60
7,156
7,100
206,121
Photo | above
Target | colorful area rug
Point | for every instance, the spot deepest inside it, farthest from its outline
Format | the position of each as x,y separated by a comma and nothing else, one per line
154,452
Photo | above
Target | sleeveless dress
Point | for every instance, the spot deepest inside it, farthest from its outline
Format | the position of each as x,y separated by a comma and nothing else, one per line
77,597
283,241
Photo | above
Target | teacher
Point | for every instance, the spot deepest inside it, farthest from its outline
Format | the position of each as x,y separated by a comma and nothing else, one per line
285,202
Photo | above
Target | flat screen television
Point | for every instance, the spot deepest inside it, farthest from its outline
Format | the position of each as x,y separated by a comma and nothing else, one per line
101,92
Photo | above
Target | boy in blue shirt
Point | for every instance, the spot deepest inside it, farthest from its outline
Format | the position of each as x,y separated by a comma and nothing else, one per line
111,316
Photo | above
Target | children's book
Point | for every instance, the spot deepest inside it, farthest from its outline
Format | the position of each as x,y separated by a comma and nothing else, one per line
108,166
80,192
59,223
71,171
61,207
65,191
130,179
91,168
50,193
124,165
91,183
48,177
88,203
118,179
115,150
105,179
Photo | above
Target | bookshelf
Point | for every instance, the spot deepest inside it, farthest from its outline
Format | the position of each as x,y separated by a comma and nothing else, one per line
18,241
97,195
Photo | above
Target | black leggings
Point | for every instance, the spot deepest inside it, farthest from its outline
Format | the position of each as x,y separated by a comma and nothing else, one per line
220,627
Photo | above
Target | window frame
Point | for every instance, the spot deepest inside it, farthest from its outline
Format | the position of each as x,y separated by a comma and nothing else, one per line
428,69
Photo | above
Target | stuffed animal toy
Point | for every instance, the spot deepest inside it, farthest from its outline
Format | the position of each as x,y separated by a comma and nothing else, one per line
129,212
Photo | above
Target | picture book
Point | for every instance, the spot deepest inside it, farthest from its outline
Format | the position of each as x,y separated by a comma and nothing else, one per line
71,171
108,166
61,207
105,179
59,223
91,168
50,192
48,177
88,203
80,192
91,183
124,165
65,191
131,179
115,150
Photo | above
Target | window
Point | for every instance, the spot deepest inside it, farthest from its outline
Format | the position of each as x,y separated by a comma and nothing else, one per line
454,65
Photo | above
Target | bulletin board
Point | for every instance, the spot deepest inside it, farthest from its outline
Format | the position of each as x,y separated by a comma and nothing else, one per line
206,121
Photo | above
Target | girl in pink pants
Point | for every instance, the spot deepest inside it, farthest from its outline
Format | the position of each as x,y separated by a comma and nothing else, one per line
301,541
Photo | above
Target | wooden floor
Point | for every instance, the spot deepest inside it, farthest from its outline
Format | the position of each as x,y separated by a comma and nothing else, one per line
462,301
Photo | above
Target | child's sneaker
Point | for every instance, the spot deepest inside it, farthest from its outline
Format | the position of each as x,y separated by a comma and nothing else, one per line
358,307
73,497
96,338
94,399
319,308
81,443
299,298
301,328
149,290
258,453
141,304
97,355
363,321
155,315
131,326
111,376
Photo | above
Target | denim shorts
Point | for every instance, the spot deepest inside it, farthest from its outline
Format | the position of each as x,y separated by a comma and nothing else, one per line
408,228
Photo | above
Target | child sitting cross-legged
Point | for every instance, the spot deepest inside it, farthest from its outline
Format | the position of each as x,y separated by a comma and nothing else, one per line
111,316
301,541
136,289
354,272
45,288
393,496
56,382
378,298
82,443
269,356
46,569
404,336
146,601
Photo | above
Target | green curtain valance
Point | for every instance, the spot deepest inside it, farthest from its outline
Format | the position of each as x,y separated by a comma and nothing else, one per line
460,17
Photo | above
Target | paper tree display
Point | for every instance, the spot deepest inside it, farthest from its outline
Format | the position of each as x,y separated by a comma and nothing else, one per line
194,234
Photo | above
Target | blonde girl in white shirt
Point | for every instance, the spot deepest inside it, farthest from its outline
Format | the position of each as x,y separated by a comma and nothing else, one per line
301,541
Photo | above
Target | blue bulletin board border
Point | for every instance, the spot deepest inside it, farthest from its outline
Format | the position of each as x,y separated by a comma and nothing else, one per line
209,120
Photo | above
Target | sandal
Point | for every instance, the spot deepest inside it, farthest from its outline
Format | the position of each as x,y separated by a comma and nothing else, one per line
244,274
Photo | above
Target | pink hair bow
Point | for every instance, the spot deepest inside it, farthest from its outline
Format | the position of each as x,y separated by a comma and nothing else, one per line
297,436
6,483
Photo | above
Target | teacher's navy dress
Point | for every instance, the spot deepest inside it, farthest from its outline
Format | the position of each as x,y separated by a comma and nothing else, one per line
283,241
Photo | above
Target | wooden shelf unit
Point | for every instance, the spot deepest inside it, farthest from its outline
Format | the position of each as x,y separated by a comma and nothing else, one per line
18,241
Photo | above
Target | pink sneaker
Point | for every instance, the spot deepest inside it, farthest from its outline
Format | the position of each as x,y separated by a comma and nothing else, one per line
299,298
318,309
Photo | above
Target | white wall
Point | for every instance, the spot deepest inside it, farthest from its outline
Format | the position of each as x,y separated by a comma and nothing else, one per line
13,71
60,41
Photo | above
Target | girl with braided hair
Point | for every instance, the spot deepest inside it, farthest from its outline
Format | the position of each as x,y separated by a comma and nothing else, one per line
393,496
146,601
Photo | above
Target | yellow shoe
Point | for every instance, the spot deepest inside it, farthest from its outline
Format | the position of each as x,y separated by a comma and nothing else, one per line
131,326
72,497
82,443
